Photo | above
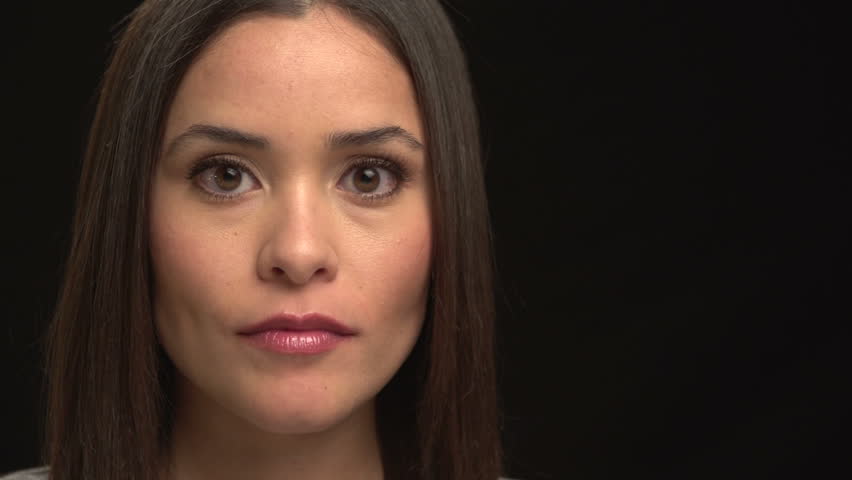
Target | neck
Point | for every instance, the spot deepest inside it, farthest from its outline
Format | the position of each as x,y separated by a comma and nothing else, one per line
209,443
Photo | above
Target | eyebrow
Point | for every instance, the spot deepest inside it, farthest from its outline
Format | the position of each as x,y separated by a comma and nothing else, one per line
218,134
335,140
372,136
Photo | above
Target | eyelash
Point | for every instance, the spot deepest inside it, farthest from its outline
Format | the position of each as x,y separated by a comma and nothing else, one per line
386,161
205,164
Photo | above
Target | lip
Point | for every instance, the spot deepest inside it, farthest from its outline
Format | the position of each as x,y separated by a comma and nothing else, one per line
289,334
299,323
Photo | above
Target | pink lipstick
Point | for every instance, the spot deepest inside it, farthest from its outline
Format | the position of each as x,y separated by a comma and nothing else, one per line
293,334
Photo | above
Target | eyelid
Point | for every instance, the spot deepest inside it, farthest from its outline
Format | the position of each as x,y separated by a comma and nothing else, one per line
395,166
214,161
218,160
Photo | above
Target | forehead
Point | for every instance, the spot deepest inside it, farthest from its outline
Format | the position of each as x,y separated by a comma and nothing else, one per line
280,75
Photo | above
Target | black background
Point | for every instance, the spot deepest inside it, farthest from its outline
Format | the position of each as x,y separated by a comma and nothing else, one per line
669,186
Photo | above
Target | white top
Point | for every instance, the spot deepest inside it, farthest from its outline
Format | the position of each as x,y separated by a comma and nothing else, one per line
38,473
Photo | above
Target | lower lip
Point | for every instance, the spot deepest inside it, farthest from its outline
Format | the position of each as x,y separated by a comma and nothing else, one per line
294,342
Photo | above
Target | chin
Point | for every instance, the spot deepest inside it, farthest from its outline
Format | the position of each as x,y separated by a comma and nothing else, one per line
293,416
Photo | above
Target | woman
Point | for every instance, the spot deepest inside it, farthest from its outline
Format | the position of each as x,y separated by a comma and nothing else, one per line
280,263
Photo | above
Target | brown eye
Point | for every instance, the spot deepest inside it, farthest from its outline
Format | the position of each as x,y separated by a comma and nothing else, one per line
227,178
366,179
371,181
223,178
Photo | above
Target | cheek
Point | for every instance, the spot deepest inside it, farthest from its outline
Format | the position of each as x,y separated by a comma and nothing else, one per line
392,273
389,292
193,267
407,265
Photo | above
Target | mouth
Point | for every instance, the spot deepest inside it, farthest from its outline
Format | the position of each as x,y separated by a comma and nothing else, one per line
290,334
299,323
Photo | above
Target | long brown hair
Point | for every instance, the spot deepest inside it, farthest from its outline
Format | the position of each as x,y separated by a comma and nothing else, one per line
110,385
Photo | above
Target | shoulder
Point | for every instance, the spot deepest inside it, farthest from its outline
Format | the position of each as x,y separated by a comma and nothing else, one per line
38,473
41,473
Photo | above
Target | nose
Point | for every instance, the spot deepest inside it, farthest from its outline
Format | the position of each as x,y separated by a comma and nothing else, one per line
298,246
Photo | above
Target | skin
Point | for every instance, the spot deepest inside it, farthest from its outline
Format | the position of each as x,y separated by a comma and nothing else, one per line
295,239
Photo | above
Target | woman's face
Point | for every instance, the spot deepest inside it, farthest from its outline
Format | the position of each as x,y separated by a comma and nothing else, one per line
292,181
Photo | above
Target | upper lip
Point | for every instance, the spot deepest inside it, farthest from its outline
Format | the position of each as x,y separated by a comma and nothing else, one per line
288,321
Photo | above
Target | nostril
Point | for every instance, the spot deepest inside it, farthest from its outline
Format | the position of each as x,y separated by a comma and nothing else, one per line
277,271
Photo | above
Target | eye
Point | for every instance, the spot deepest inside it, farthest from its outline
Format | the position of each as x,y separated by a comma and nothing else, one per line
223,178
373,178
